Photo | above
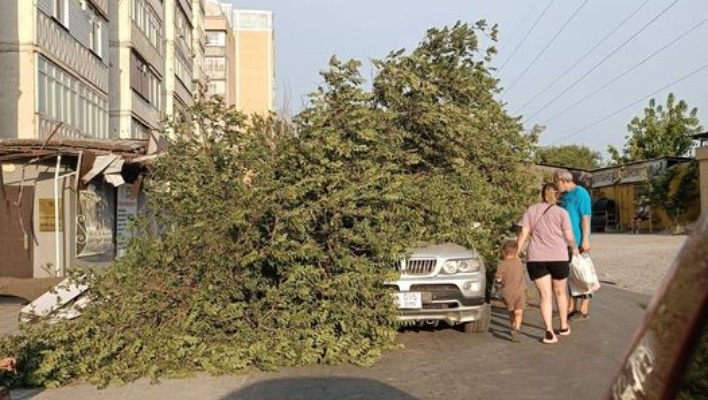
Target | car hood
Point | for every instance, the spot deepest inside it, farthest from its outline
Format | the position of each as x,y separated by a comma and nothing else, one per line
444,250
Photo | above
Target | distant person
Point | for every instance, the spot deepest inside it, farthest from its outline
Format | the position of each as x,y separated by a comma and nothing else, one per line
576,200
510,275
8,364
547,256
641,214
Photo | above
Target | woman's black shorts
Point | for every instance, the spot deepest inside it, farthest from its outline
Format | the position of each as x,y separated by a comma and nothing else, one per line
557,269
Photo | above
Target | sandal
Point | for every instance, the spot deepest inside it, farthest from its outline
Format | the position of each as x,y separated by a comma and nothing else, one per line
580,317
514,336
564,332
549,338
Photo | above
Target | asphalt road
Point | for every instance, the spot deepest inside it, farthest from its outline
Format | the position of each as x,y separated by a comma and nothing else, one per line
444,362
433,363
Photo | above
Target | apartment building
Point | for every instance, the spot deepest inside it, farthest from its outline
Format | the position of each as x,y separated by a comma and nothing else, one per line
199,46
137,72
255,60
179,49
94,74
54,57
220,57
115,69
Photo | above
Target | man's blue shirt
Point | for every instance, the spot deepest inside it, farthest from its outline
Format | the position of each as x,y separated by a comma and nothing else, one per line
578,204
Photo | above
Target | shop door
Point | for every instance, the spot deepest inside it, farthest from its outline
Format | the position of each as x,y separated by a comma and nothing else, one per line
16,232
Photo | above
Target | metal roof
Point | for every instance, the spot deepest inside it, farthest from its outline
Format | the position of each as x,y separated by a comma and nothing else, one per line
16,149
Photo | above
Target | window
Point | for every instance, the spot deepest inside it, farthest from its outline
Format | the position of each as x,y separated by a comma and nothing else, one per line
138,130
216,38
148,22
64,98
95,27
144,82
182,71
95,36
60,13
183,29
257,20
216,88
215,63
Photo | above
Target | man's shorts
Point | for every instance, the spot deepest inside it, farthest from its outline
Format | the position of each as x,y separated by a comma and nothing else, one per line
557,269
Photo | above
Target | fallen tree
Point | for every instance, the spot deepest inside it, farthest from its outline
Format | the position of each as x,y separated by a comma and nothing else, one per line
267,244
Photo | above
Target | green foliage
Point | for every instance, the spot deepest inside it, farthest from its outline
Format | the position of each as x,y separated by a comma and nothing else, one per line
267,245
663,131
569,156
440,99
673,189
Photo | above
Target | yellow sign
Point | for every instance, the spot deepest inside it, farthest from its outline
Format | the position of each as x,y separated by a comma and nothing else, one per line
46,215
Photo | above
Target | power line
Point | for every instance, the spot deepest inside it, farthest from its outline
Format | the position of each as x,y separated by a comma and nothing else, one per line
553,39
579,131
562,75
513,52
517,30
572,85
635,66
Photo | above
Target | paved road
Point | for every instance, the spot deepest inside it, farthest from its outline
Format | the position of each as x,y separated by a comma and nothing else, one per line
445,362
433,363
635,262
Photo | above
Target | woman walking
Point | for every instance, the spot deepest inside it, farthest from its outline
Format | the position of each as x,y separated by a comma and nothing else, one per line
547,258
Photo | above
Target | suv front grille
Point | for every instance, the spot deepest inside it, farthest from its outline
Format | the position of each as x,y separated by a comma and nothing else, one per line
419,266
435,287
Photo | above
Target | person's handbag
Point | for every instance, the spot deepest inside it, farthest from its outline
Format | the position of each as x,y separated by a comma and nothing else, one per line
583,277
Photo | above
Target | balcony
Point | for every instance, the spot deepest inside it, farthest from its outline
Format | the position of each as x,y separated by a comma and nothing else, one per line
56,42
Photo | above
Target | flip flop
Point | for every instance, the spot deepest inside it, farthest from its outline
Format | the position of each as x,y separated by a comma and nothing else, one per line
549,338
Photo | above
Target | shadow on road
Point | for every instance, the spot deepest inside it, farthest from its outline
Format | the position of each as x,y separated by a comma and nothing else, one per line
501,317
25,394
325,388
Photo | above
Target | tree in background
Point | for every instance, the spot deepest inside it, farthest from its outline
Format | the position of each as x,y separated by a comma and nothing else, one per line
663,131
569,156
673,189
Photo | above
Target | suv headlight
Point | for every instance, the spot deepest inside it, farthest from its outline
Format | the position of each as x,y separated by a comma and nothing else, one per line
461,265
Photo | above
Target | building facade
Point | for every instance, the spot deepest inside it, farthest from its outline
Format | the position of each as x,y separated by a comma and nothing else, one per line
255,61
179,49
100,77
626,186
199,46
55,61
116,69
220,57
137,68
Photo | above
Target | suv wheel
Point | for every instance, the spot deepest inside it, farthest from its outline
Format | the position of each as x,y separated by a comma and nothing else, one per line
482,324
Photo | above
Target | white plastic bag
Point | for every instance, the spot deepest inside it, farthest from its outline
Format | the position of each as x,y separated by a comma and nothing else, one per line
583,278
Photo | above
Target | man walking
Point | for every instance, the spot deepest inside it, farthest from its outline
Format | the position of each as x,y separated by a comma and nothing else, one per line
576,200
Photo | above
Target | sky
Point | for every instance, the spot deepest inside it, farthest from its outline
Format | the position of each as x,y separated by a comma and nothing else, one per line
654,47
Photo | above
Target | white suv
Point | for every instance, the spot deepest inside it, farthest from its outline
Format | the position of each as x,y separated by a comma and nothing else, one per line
444,282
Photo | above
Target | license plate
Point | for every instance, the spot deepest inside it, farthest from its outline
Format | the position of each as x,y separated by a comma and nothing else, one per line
410,300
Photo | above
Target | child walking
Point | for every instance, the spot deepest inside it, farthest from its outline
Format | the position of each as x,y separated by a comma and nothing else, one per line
510,275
